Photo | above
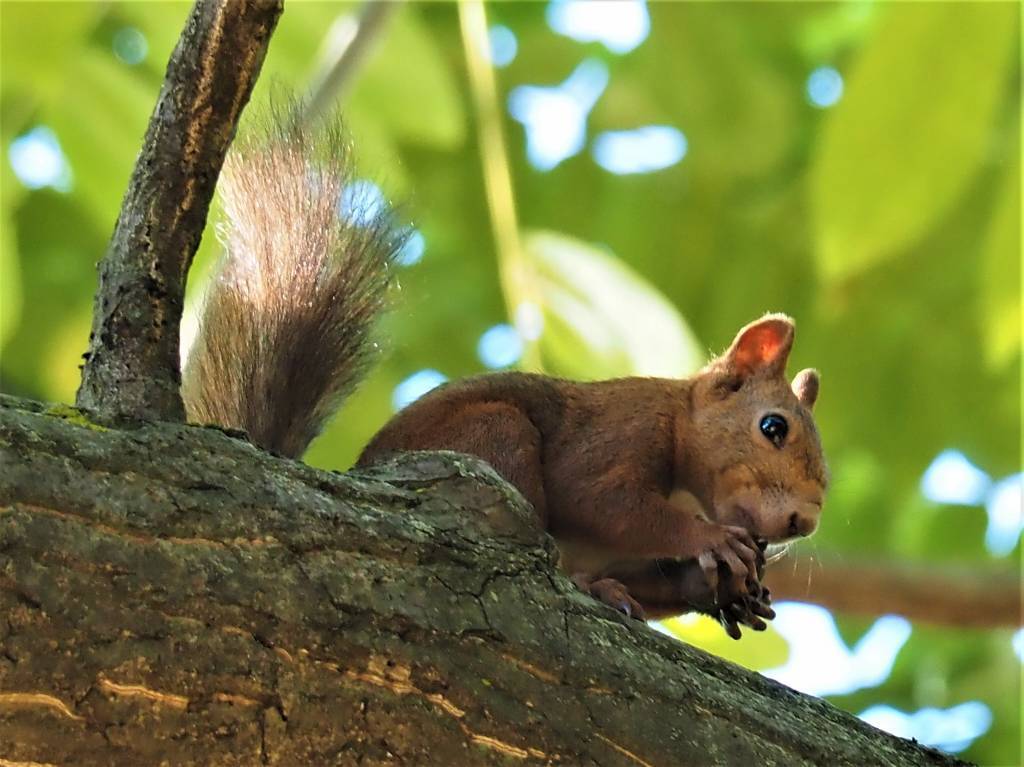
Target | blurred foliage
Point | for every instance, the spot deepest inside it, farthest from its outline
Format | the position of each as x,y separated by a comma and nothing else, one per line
602,319
761,650
888,225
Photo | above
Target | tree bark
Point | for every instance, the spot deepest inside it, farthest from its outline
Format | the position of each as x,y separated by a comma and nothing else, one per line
173,595
132,366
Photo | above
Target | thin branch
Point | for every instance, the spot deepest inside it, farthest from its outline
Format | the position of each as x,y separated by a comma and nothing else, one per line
976,597
357,38
517,280
132,365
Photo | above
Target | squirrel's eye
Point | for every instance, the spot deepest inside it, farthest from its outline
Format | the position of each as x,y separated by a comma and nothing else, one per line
774,428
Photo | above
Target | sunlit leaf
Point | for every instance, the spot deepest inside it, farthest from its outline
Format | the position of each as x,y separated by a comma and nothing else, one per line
160,23
377,156
10,280
731,103
602,319
835,26
119,103
38,42
1000,274
57,264
60,368
911,130
756,650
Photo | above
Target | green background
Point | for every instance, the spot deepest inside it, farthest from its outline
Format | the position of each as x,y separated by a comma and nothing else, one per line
888,225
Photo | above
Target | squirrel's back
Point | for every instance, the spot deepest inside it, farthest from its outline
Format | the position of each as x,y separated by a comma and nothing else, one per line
285,330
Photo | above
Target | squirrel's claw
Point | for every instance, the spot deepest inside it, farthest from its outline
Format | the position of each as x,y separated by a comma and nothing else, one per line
611,592
761,605
749,611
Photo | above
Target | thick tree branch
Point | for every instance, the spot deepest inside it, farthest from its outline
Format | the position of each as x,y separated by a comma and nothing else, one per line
975,597
171,594
132,364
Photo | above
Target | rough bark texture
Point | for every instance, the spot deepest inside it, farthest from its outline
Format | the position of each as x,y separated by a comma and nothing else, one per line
171,595
132,363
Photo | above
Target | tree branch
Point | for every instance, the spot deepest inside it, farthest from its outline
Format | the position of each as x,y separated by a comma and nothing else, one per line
975,597
172,591
132,365
363,33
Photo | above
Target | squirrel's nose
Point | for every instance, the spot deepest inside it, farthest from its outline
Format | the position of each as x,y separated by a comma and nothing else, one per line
802,524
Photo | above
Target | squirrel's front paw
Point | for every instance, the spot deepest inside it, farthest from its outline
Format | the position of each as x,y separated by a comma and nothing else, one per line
611,592
751,611
732,562
691,589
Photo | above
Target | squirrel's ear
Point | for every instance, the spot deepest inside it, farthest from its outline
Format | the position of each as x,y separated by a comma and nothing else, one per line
805,387
762,345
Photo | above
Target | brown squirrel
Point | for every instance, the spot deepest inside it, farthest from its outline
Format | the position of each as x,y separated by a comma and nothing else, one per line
661,494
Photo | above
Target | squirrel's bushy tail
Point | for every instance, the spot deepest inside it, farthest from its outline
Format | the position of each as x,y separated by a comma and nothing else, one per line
286,324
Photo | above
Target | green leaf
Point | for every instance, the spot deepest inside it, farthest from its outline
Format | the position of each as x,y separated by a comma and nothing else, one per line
912,129
101,150
730,99
57,240
602,319
1000,274
377,157
160,23
10,279
757,650
39,41
834,27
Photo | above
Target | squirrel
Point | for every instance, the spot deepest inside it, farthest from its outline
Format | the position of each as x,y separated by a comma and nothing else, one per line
661,494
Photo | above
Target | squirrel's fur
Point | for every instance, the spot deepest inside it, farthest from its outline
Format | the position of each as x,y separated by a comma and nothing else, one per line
285,330
631,472
659,492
